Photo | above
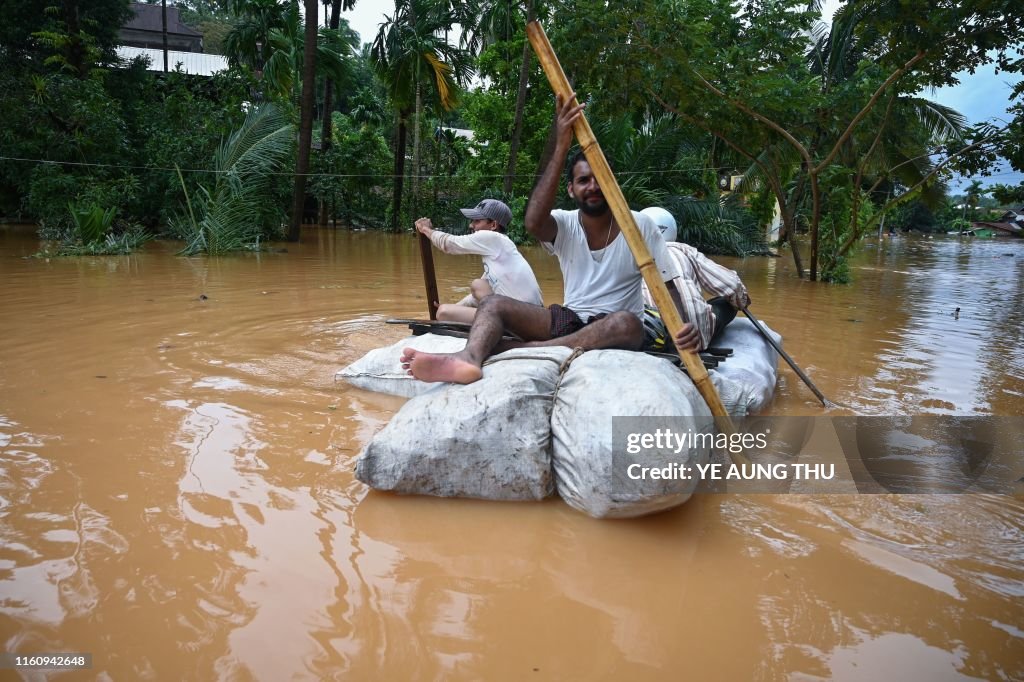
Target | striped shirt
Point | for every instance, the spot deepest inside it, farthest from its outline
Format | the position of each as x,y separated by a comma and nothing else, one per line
698,271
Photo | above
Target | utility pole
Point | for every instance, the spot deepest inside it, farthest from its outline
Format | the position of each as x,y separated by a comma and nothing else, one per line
163,13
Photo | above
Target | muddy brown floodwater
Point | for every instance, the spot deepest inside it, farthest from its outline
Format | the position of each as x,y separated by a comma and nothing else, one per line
177,496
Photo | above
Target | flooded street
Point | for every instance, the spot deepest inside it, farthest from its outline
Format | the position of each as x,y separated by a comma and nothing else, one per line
177,495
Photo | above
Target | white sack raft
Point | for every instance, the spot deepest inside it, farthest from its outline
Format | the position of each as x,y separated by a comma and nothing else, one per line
752,365
490,439
381,371
604,384
533,424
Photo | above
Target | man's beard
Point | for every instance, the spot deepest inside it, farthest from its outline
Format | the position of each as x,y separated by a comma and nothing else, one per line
593,210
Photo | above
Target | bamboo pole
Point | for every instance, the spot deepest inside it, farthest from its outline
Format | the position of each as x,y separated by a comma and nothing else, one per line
620,210
429,278
785,356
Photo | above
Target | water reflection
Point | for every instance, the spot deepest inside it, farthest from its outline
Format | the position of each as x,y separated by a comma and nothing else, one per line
960,363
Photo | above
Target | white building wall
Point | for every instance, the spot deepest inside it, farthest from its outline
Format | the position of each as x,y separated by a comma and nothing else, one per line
195,63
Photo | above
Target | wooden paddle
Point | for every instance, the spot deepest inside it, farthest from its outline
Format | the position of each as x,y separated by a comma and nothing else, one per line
613,194
429,278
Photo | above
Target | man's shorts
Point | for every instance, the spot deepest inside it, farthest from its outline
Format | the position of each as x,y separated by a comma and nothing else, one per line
565,321
656,336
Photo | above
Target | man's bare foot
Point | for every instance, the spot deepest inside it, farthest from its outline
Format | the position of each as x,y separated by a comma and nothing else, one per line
439,367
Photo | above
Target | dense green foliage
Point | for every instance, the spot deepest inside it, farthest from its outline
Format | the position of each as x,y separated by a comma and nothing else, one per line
808,110
824,121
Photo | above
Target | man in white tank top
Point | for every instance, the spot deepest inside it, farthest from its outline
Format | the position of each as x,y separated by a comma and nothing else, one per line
603,299
506,272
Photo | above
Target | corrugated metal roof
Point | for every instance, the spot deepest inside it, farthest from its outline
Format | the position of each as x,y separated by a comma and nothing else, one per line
195,63
1005,227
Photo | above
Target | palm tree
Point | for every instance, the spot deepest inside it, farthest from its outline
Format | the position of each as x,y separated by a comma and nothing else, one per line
248,41
273,39
517,122
972,196
333,51
501,20
305,120
411,54
269,37
332,8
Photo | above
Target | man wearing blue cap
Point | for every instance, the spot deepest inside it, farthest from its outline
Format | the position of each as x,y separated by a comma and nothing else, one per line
506,272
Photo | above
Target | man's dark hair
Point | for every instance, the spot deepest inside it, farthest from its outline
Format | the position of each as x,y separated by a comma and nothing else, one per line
576,158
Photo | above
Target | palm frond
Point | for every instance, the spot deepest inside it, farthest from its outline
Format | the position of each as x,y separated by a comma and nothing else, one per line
940,121
232,216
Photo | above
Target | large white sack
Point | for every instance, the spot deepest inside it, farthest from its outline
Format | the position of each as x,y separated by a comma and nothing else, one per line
381,371
753,366
598,386
490,439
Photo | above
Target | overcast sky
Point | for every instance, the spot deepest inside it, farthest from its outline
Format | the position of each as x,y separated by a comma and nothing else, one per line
980,97
367,16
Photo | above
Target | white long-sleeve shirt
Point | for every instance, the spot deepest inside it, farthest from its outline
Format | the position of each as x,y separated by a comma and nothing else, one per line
696,271
505,269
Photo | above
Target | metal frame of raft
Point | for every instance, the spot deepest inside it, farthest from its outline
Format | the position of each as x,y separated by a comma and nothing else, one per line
711,357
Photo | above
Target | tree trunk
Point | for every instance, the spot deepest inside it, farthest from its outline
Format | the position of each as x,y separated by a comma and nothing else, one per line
815,224
325,131
789,221
517,125
74,51
416,149
399,180
436,172
789,234
305,119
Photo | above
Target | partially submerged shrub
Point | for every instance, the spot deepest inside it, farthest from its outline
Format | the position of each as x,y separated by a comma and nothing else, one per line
240,208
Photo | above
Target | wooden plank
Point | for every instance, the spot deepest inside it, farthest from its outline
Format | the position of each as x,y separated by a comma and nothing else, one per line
429,278
460,330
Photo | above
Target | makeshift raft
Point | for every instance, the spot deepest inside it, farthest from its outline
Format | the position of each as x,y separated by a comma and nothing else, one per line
540,419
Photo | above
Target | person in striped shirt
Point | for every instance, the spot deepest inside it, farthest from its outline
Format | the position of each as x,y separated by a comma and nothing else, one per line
697,273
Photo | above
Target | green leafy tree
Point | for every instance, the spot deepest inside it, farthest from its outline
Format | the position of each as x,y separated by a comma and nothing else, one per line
74,36
1013,147
209,17
1008,195
416,62
347,175
792,105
